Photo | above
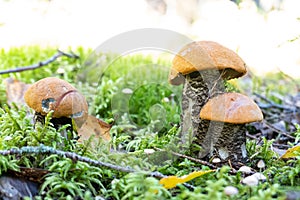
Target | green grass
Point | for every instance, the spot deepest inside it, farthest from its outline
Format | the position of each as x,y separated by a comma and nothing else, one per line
145,117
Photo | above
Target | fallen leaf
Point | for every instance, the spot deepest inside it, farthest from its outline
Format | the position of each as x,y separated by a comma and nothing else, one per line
33,174
15,90
96,127
171,181
291,152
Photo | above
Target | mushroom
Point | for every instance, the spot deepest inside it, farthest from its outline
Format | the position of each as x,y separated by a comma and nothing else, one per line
226,116
202,67
54,94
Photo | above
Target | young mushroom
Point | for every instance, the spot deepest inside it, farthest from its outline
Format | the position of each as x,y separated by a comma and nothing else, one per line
54,94
202,67
227,115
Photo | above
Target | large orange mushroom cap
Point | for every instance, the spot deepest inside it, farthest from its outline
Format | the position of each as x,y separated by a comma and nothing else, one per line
232,108
54,94
203,55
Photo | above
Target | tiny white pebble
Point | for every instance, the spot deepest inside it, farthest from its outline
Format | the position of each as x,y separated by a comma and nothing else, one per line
223,153
259,176
127,91
250,181
245,169
7,138
261,164
230,190
216,160
99,198
165,99
115,181
149,151
60,71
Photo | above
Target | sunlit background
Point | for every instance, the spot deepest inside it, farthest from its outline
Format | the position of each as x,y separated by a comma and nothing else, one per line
265,33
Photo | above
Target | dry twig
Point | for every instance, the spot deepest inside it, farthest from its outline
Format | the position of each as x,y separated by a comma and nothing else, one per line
40,64
75,157
188,157
194,159
272,104
278,130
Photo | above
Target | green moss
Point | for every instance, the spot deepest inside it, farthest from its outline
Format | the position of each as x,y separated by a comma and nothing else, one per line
133,92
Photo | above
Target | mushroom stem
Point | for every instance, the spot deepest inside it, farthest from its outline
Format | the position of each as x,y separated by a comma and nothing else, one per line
224,140
57,123
223,118
198,88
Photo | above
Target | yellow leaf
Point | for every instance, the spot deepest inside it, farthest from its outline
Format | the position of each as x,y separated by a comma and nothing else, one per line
291,152
171,181
195,175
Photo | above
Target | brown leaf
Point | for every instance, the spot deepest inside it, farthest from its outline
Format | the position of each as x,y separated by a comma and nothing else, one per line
32,174
94,126
291,152
15,91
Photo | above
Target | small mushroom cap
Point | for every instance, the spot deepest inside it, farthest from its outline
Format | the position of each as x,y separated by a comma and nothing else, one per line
250,181
203,55
58,95
232,108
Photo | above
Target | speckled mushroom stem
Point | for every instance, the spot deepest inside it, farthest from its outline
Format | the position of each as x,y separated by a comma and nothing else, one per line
198,88
225,141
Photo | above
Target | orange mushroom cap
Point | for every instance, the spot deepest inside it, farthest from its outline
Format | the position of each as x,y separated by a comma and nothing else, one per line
58,95
203,55
232,108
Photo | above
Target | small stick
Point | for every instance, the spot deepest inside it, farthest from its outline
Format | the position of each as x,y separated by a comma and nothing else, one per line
251,136
274,144
40,64
188,157
75,157
282,146
230,165
272,104
277,130
194,159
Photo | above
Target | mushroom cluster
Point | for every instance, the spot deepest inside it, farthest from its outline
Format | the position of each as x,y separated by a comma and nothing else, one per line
54,94
203,67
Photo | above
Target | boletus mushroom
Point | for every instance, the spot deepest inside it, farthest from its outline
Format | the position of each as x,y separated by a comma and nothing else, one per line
54,94
226,116
202,67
